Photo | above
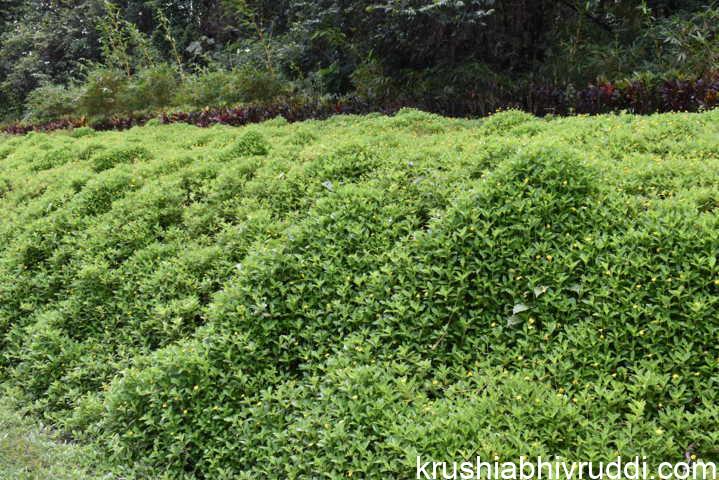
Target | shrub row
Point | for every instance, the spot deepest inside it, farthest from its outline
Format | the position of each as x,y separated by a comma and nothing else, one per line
333,298
641,96
292,109
108,92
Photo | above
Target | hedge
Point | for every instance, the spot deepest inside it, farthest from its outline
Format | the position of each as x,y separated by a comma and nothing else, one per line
332,298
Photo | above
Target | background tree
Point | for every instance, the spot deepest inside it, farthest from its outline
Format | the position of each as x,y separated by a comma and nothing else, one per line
438,51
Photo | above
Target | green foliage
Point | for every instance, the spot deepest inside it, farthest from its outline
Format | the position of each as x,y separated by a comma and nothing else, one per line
688,43
371,83
29,451
124,47
250,143
169,38
504,122
432,54
683,42
50,102
108,92
82,132
254,21
103,93
44,43
225,88
151,89
334,298
112,158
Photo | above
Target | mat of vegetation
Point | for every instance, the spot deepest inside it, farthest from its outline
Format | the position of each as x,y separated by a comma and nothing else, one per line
29,452
330,299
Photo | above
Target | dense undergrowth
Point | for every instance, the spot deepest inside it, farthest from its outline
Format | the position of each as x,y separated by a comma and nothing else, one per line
331,299
30,452
640,96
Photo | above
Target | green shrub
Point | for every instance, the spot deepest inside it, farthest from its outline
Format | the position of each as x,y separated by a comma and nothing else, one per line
97,195
502,123
347,164
102,94
82,132
250,143
51,102
153,122
151,89
372,84
53,158
337,297
106,160
5,187
222,88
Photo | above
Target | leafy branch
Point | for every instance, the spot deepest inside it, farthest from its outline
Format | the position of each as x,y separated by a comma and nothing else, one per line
251,18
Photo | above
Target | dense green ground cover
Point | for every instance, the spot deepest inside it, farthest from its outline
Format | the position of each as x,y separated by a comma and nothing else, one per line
330,299
29,452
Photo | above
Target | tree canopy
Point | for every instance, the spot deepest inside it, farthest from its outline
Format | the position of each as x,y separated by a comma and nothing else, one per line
340,46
